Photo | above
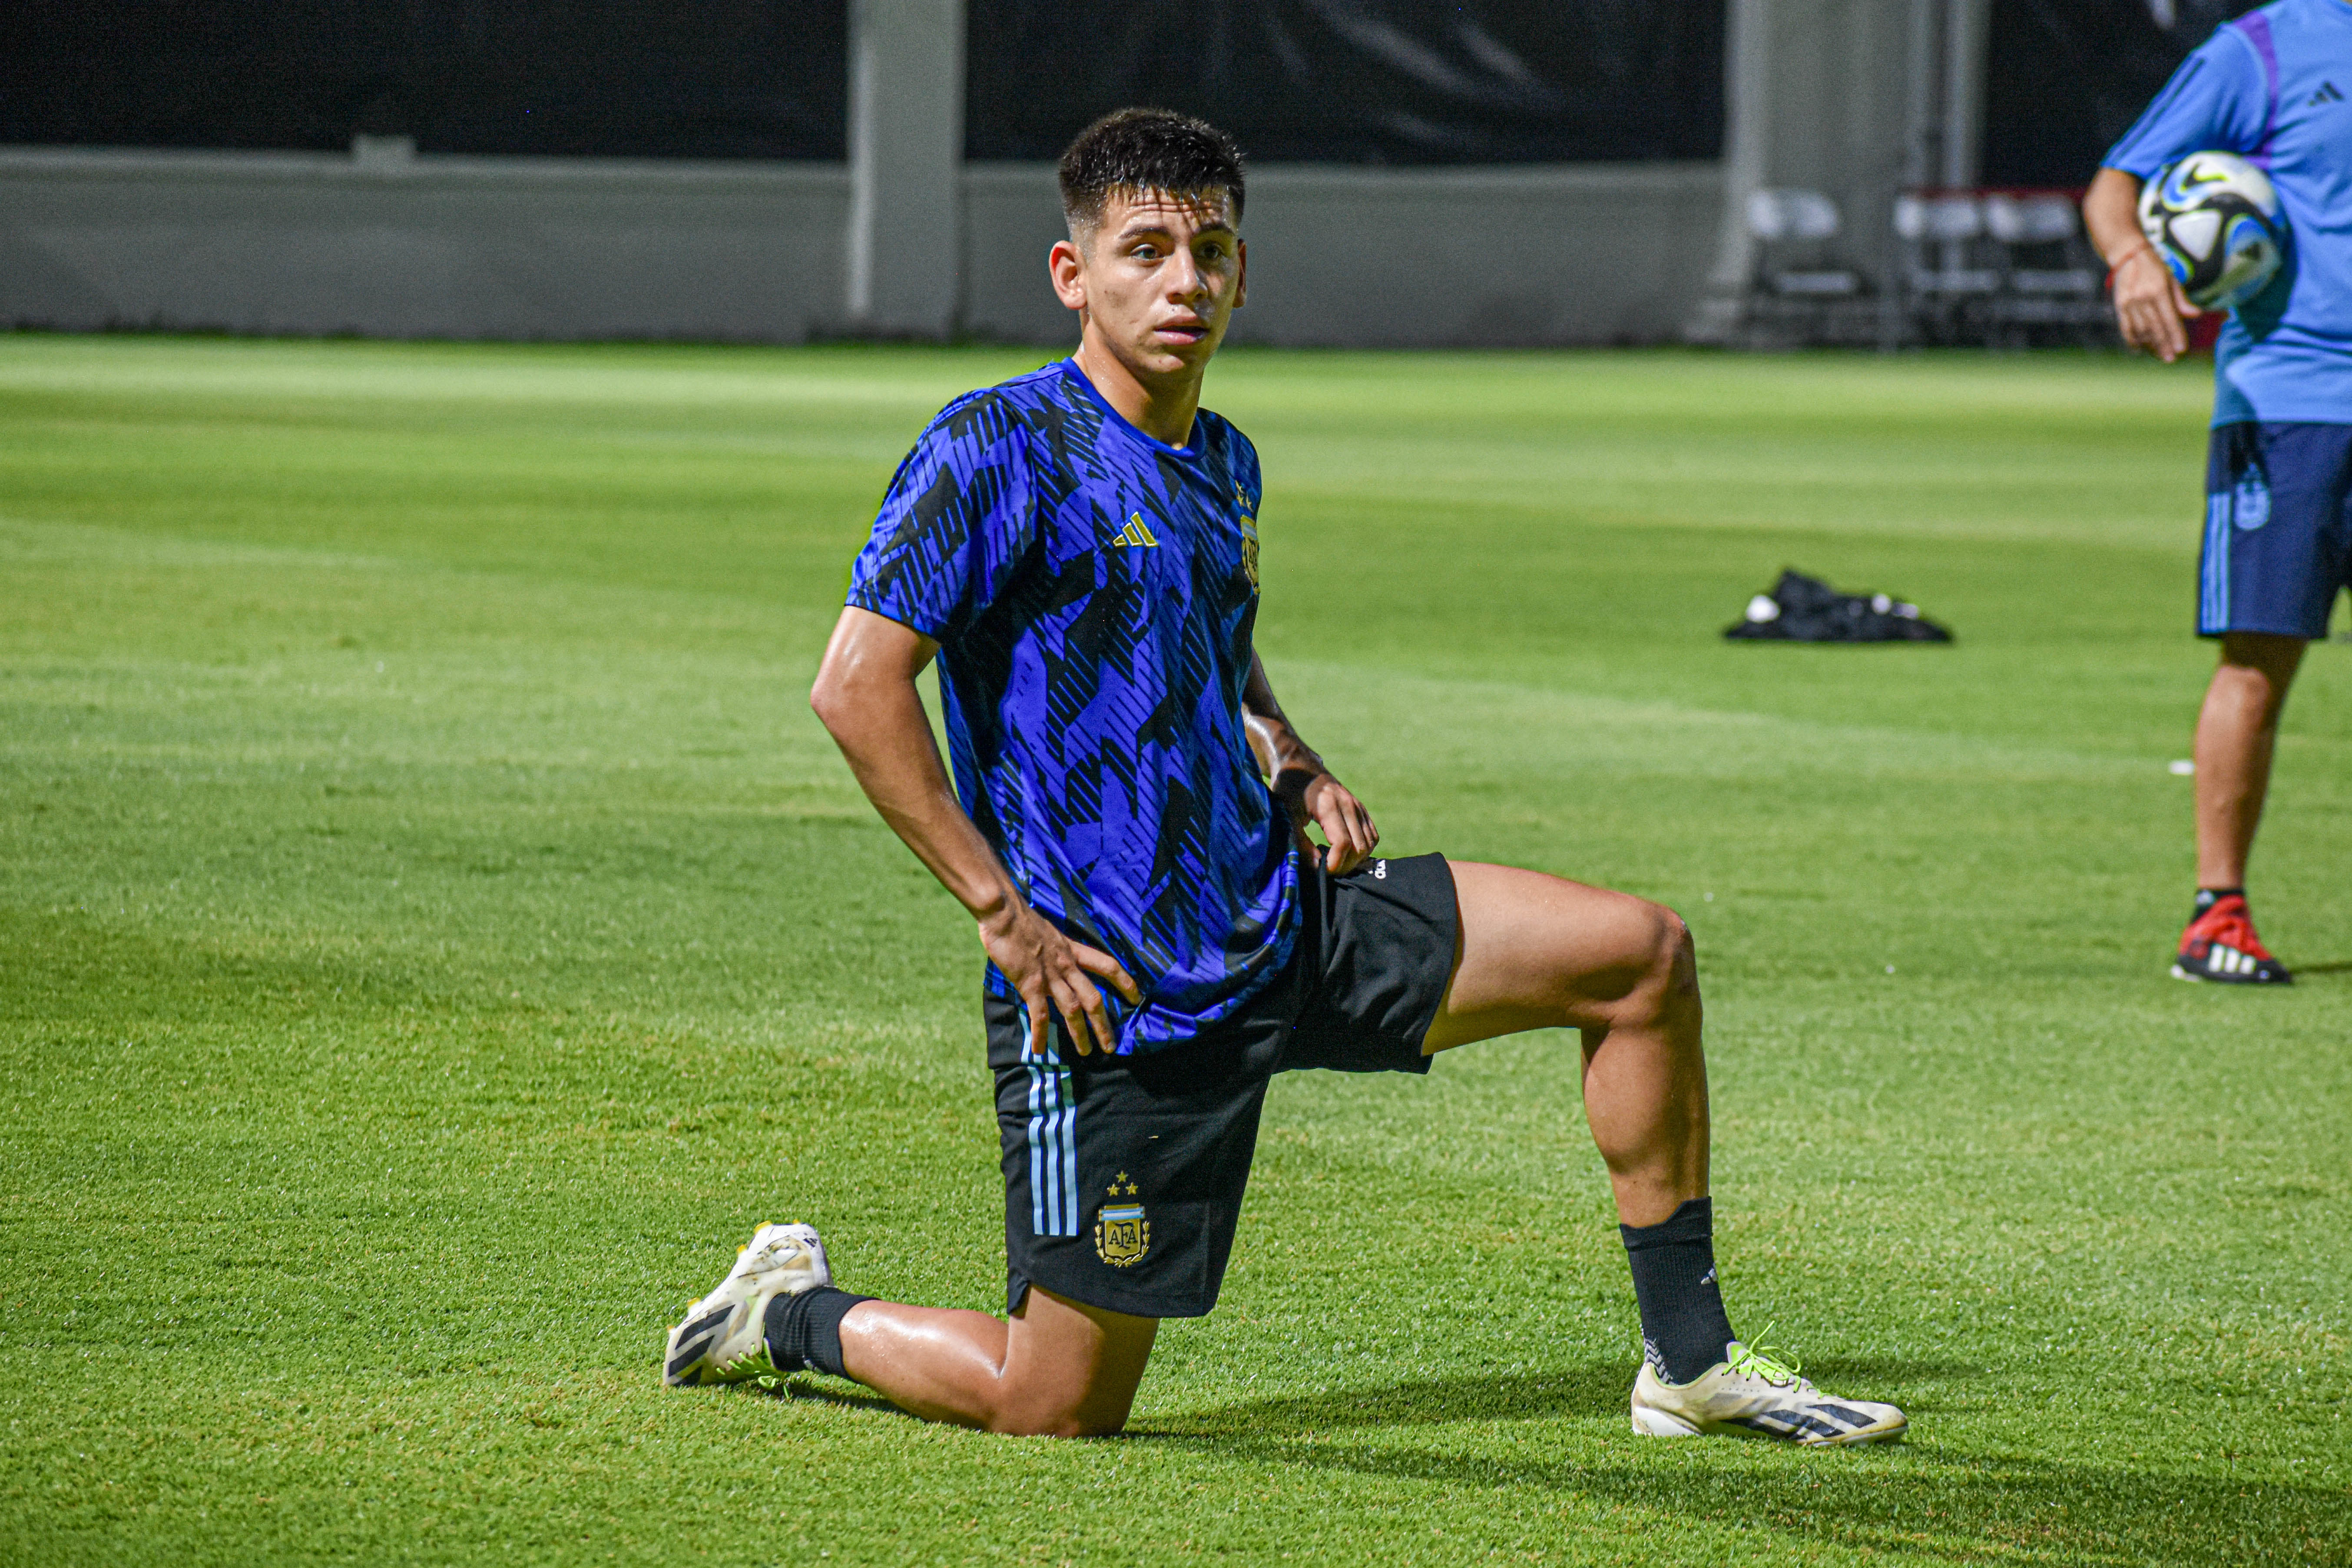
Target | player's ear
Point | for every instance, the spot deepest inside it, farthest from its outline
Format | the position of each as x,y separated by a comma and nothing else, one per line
1067,266
1241,273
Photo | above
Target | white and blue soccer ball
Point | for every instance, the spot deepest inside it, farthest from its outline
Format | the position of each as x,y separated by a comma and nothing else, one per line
2214,220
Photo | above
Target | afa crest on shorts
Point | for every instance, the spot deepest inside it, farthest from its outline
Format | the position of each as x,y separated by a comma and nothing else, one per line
1122,1234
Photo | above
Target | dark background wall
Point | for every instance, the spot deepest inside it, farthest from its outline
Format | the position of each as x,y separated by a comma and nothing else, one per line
1340,81
691,78
1597,127
2066,79
1336,81
1360,81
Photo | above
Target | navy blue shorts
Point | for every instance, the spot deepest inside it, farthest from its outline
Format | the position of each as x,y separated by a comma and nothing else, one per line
2278,529
1124,1176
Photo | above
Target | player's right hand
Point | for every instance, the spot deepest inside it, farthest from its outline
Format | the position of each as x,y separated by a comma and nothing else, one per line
1051,972
2149,305
1312,794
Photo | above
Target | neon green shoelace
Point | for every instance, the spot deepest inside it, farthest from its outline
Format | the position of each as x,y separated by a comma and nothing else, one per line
1758,1361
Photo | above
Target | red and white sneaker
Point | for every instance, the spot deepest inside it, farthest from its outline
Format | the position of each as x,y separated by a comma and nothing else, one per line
2221,944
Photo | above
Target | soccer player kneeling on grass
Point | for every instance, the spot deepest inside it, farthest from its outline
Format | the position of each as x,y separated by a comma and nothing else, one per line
1078,548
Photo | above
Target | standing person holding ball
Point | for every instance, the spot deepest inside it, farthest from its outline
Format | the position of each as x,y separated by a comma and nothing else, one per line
2275,87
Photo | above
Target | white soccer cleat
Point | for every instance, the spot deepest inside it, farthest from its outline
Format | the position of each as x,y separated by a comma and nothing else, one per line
1749,1395
724,1336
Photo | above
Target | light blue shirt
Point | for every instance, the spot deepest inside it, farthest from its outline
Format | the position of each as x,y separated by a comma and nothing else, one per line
2275,87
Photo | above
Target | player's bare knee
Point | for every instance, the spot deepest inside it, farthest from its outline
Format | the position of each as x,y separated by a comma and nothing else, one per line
1667,944
1682,963
1670,962
1649,969
1053,1418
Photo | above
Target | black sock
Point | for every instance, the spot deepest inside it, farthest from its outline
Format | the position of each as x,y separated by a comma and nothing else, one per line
804,1332
2207,896
1684,1329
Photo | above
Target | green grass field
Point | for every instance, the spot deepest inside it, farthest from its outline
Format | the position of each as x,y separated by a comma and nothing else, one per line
433,931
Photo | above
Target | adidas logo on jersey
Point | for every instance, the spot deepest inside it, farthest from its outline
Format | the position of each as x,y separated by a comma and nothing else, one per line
1136,534
2326,94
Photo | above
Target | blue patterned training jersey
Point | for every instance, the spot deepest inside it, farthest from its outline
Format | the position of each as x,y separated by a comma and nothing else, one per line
1093,593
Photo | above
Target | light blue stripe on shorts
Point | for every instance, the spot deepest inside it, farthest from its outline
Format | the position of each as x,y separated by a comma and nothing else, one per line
1053,1146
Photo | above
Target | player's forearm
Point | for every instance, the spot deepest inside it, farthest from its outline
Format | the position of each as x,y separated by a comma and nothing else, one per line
2111,216
885,738
1305,786
1276,745
2149,303
865,697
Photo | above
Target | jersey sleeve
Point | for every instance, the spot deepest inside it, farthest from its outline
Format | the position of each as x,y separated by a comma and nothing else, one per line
2218,102
956,521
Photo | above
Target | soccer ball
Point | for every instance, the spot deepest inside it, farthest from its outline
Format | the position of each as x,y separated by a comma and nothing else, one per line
2214,221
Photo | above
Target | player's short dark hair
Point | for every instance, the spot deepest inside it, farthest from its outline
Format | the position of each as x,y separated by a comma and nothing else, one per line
1147,150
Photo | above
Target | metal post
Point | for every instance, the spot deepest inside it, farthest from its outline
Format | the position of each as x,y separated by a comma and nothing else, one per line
1923,94
1922,80
904,254
1722,312
1966,34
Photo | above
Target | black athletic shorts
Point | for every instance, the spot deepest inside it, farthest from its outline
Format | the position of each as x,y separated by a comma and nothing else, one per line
1123,1175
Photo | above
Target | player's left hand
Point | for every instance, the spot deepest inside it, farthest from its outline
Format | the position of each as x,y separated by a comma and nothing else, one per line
2149,305
1317,797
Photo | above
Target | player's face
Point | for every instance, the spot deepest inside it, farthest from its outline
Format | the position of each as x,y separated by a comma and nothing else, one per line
1158,280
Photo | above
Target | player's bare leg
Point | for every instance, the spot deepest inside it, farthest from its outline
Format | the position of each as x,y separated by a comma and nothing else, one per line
1537,951
2237,733
1540,953
1055,1368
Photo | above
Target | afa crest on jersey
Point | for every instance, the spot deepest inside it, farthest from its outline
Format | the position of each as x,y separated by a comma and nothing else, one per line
1249,535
